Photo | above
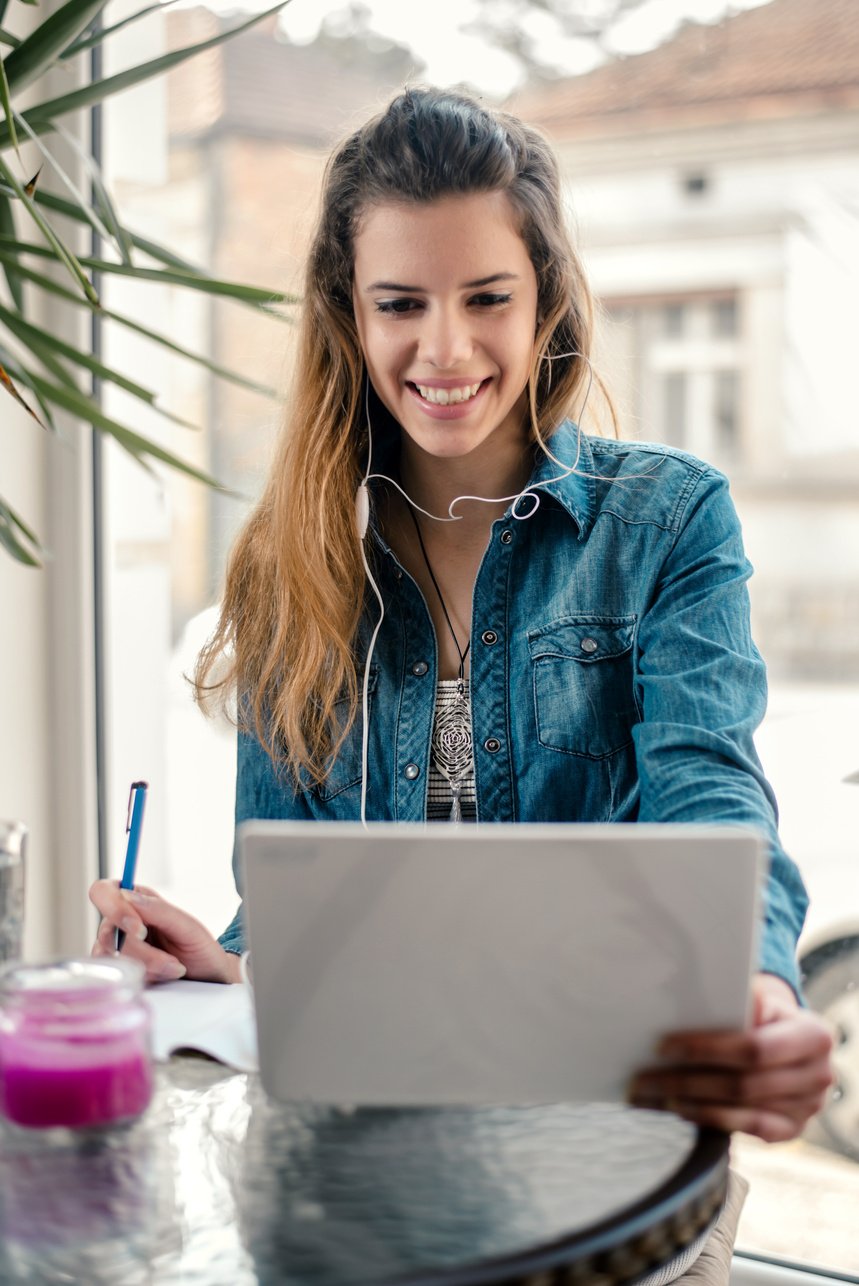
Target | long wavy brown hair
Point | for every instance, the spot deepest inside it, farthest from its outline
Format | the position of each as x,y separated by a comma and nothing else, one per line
295,585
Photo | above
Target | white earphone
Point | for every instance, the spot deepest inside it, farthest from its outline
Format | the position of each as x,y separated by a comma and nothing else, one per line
362,523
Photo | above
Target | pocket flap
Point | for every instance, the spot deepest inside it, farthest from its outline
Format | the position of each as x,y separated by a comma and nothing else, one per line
583,638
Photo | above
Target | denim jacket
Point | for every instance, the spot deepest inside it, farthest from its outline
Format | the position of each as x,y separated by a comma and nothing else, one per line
613,673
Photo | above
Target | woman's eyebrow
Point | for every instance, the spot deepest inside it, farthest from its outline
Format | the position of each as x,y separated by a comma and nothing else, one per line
393,285
487,281
466,285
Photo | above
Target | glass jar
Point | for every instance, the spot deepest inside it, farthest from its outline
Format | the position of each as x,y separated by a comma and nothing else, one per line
13,843
75,1043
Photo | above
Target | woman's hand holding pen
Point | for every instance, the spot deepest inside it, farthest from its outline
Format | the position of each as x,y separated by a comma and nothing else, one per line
768,1080
169,942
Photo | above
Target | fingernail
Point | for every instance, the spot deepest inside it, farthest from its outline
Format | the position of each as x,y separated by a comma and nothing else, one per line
143,899
131,926
172,971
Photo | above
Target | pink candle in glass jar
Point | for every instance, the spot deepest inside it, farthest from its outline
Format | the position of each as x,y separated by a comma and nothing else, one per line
75,1043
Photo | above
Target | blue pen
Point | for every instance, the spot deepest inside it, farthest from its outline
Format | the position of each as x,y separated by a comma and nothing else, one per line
133,827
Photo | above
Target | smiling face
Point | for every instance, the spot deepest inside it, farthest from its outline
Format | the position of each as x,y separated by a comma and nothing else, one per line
445,300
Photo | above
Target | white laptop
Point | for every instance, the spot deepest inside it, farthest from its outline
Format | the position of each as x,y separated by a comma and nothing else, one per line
407,965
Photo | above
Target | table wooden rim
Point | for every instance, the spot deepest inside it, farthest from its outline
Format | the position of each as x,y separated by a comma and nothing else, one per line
669,1219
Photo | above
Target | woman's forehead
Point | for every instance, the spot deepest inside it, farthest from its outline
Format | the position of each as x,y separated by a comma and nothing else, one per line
457,234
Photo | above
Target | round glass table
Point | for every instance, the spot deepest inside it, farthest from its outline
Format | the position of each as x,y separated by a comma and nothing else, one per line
217,1184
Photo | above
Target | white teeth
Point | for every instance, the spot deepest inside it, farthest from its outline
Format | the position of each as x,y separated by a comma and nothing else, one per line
448,396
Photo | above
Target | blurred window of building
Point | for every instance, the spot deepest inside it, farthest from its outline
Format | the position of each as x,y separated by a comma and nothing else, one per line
723,317
686,387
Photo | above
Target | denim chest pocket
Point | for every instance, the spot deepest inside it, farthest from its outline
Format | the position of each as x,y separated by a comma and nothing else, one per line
344,770
584,702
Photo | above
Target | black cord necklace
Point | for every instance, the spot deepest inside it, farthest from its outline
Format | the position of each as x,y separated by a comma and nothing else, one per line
452,752
462,655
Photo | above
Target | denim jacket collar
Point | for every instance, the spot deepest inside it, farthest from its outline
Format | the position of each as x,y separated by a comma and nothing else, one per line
575,492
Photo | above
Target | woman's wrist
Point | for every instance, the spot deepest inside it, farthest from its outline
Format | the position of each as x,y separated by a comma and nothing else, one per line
232,967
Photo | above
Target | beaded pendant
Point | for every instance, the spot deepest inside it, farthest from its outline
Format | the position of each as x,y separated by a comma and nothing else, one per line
452,749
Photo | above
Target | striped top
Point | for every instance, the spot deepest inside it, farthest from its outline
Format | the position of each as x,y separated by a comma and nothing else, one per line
452,759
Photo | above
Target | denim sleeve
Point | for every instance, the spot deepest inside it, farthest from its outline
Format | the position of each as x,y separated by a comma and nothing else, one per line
233,937
260,793
701,685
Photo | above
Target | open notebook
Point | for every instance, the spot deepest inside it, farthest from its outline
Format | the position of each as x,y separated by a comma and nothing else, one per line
207,1017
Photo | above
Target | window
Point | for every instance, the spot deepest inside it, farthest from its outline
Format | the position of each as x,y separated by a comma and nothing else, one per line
674,398
721,318
682,382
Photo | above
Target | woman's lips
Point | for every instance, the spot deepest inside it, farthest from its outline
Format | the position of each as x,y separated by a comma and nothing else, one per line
453,410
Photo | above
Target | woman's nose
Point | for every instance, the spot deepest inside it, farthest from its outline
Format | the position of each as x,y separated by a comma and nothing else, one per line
446,340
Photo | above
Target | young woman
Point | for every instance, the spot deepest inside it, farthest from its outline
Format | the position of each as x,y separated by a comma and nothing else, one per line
566,625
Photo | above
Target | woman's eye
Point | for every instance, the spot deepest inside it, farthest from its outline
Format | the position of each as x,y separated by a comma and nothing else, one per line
396,306
490,300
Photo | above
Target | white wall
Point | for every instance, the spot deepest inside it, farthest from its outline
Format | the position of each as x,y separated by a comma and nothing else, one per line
25,764
47,751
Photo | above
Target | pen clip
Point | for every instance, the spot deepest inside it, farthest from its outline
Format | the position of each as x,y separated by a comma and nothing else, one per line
135,786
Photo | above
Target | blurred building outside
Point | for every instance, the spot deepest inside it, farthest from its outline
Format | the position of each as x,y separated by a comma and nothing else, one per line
715,186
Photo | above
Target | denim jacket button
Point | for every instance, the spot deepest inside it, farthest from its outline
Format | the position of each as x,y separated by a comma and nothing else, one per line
506,536
419,668
489,637
411,772
589,645
492,744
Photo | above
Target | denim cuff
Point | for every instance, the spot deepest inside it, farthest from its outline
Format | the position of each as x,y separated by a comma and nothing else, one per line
233,937
777,954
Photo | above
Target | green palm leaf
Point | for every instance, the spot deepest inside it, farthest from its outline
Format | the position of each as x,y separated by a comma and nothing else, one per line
52,201
18,372
27,274
152,248
65,256
16,536
6,100
264,299
40,49
68,31
83,204
87,42
84,408
50,362
8,385
99,90
35,338
103,204
7,229
62,205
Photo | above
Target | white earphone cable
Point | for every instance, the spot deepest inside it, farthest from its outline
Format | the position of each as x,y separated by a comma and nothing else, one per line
362,520
362,510
489,500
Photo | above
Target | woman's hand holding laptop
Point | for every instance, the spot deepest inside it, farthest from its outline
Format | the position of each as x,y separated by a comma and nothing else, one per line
768,1080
